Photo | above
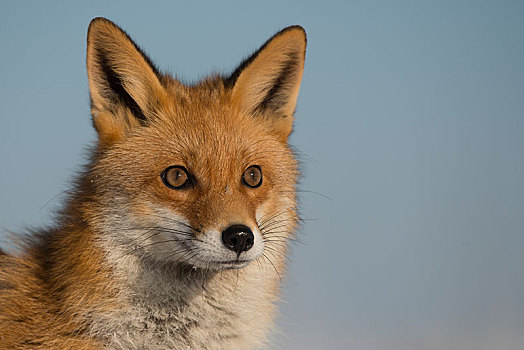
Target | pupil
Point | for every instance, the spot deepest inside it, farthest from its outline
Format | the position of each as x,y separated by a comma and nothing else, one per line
178,177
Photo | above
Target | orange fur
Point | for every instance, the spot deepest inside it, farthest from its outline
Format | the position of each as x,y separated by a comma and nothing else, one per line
78,285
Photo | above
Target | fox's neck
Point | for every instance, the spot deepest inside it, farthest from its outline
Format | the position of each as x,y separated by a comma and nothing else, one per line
151,283
132,302
180,307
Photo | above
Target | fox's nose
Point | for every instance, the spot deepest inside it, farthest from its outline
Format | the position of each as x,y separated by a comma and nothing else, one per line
238,238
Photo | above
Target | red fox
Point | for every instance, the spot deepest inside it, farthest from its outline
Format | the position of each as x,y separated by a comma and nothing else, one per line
175,236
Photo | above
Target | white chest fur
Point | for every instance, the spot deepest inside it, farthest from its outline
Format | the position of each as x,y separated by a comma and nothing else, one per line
172,308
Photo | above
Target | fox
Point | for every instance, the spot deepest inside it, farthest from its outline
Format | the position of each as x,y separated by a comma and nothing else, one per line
176,232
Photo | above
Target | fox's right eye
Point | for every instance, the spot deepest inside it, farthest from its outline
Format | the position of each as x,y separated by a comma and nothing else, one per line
176,177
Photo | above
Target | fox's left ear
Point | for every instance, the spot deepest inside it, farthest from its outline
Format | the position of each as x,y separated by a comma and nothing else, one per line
266,84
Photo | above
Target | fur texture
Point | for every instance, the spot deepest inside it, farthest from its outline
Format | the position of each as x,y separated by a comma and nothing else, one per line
136,264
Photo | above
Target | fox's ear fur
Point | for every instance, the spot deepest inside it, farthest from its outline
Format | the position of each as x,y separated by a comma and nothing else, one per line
266,84
125,86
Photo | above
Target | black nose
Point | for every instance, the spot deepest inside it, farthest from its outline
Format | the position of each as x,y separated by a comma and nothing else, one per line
238,238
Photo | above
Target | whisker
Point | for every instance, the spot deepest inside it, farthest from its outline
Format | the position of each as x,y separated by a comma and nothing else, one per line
271,249
300,154
311,192
160,228
275,226
274,267
183,249
54,197
264,219
177,222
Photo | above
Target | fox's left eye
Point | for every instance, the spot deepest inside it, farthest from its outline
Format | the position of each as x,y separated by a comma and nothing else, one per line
176,177
252,176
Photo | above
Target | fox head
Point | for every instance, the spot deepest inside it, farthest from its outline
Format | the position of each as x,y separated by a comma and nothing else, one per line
199,175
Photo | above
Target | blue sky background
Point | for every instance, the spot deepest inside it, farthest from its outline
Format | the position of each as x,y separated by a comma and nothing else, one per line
411,115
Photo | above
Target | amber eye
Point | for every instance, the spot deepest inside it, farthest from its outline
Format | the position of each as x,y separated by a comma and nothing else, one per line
176,177
252,177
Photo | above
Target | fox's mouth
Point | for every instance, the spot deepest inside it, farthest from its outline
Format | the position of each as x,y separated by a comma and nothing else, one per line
233,264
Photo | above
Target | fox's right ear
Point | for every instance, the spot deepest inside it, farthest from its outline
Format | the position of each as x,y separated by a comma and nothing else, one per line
266,84
124,85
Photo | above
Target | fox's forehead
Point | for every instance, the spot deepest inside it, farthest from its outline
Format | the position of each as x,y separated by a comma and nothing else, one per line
210,134
204,116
